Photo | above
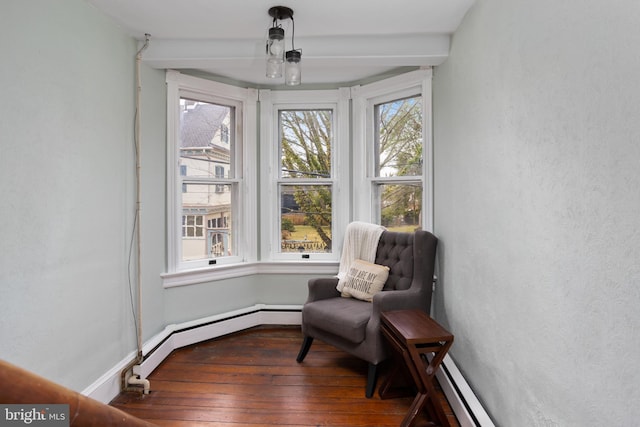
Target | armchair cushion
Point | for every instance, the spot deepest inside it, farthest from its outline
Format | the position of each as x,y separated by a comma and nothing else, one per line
364,280
343,317
395,250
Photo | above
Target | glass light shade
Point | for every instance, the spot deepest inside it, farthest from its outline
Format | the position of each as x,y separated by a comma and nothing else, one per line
275,52
275,49
274,69
275,44
292,71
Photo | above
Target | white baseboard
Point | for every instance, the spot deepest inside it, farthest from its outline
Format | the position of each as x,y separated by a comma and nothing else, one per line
105,388
462,400
217,326
156,349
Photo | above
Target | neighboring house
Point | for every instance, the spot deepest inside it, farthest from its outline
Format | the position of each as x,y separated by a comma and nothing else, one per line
205,152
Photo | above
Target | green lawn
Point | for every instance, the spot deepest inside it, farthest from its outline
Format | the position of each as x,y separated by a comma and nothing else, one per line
403,228
303,231
311,234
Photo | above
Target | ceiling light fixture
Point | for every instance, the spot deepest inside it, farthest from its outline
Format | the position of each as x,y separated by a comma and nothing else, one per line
277,58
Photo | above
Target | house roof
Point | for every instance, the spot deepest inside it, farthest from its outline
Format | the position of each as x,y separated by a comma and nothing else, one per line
200,123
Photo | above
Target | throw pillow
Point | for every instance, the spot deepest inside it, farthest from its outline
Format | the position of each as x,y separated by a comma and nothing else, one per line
364,280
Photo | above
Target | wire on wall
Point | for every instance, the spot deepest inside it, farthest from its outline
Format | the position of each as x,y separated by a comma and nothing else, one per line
137,313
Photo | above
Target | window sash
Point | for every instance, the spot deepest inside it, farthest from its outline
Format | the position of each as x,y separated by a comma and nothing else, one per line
204,183
311,202
317,152
388,163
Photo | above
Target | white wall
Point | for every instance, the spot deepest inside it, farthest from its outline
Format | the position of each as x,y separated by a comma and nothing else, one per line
66,185
537,156
153,160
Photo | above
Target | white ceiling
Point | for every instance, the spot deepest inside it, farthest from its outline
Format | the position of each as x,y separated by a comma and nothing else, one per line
342,41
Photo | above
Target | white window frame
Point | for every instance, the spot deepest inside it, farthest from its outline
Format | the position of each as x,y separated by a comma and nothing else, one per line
365,206
271,102
244,220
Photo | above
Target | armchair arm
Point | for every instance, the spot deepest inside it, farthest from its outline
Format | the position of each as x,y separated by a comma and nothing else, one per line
393,300
398,300
322,288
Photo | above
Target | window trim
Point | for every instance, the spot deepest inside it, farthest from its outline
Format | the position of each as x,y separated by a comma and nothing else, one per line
245,171
270,103
364,99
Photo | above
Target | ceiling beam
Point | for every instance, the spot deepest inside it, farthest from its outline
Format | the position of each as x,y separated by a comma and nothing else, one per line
397,50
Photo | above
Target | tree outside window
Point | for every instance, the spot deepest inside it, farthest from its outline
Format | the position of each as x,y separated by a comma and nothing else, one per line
398,163
305,158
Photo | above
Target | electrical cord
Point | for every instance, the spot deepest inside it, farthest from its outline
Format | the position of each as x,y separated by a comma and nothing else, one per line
135,232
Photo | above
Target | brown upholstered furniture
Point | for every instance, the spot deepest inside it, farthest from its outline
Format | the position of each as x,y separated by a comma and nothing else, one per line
354,325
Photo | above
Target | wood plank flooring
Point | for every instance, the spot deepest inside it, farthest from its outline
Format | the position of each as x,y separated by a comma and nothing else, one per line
251,378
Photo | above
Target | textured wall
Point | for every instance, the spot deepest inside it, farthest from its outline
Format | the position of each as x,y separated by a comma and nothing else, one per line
66,185
537,196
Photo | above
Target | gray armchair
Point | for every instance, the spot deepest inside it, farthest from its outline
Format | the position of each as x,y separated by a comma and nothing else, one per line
353,325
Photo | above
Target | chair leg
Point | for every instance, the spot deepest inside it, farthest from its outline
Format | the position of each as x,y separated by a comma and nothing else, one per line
371,380
304,349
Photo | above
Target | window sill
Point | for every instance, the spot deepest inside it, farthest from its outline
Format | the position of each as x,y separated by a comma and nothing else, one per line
222,272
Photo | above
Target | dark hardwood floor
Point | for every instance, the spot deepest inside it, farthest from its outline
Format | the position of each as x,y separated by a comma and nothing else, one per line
251,378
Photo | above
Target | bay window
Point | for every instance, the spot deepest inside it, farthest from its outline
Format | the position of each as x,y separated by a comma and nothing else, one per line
325,158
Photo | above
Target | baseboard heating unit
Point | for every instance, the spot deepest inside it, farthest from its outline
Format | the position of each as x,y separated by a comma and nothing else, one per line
463,401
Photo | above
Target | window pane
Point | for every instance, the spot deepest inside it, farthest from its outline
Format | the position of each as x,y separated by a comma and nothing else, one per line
305,218
203,130
206,219
305,143
401,206
399,137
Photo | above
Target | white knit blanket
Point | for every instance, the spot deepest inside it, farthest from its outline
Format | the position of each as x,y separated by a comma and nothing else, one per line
360,242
